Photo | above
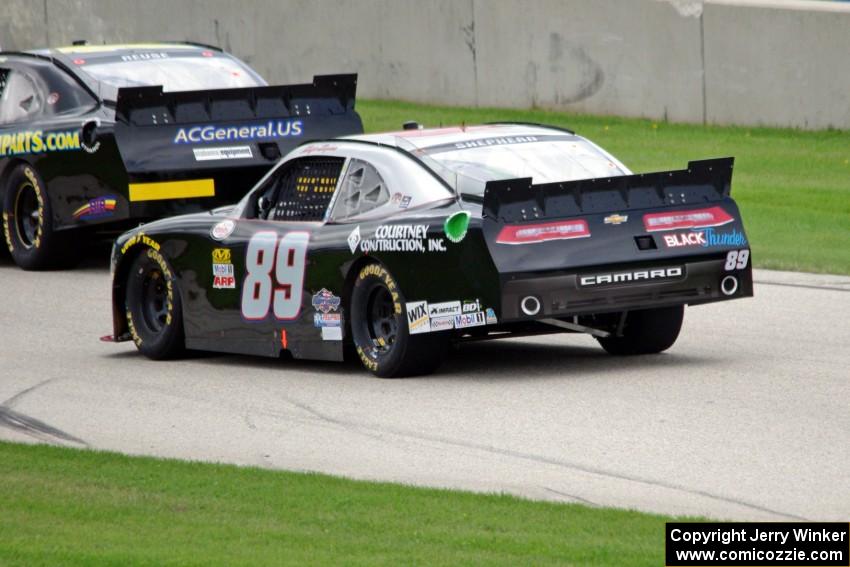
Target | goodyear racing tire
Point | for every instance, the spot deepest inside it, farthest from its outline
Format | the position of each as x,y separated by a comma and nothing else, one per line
380,332
153,307
28,222
647,331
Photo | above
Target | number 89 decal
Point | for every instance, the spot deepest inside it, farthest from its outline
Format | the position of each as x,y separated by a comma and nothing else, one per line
285,257
736,260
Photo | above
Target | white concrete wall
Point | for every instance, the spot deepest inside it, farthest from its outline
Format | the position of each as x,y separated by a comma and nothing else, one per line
770,62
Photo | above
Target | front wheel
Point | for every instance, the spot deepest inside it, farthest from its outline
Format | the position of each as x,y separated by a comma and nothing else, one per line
380,330
646,331
153,307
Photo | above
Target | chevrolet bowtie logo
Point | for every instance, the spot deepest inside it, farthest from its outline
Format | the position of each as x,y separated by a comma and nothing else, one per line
616,219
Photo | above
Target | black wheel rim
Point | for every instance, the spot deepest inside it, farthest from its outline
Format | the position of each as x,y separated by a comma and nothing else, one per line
154,300
26,215
382,322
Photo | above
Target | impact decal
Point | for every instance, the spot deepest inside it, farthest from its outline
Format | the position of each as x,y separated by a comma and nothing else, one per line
37,141
224,276
98,208
674,272
270,130
222,230
140,238
402,238
448,308
216,154
325,301
417,317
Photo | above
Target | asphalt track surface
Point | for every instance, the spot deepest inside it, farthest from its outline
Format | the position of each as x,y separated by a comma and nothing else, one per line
746,417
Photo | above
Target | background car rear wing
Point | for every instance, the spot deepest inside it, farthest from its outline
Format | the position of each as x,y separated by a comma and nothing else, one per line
171,132
518,200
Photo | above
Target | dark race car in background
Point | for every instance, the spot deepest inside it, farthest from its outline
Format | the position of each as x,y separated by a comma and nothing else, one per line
399,244
94,139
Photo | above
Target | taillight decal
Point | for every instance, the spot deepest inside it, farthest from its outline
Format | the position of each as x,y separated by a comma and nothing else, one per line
675,220
542,232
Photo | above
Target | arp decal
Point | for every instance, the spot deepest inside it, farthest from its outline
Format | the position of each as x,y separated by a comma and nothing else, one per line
224,276
98,208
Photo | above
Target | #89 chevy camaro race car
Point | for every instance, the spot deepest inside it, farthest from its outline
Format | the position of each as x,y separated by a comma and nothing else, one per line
95,138
396,245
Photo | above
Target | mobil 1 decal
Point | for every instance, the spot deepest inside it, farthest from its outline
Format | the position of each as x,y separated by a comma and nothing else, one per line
274,275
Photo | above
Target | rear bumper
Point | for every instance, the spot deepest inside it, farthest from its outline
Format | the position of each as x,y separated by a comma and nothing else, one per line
623,287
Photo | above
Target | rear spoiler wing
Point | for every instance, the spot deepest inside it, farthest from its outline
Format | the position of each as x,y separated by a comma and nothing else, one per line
150,106
517,200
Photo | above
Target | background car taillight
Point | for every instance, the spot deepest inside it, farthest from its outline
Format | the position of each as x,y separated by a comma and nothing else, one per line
541,232
700,218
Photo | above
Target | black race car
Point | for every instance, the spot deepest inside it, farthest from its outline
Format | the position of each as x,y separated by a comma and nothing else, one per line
396,245
94,139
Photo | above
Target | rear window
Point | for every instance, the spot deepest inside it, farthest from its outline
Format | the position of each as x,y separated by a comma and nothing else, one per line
175,71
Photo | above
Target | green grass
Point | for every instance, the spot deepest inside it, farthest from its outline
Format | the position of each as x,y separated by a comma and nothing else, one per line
793,187
70,507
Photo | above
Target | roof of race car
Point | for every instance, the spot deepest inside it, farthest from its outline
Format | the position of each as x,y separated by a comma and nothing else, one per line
110,50
431,137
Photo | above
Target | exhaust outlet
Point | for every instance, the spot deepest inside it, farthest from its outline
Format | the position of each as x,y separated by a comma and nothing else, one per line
729,285
530,305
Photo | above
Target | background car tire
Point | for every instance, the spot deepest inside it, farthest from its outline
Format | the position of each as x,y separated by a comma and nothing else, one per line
28,223
647,331
153,307
380,333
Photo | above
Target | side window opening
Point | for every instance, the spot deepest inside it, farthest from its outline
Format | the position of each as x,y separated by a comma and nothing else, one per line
300,191
362,190
20,98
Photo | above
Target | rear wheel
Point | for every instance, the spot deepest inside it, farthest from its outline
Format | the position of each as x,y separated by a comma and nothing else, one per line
153,307
28,222
646,331
380,331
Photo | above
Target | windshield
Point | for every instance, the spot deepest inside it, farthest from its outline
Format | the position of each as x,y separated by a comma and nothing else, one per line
546,159
186,73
